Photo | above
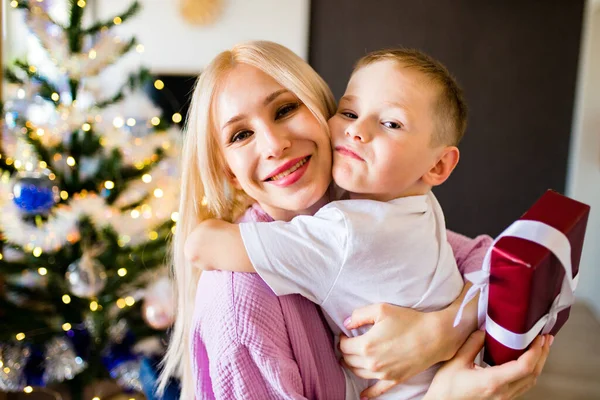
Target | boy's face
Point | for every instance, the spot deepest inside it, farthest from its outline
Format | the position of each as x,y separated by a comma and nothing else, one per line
382,132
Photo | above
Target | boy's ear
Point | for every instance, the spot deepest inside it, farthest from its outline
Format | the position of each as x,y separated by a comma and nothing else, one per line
443,168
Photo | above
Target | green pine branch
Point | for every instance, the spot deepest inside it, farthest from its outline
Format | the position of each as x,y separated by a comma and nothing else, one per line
133,9
46,89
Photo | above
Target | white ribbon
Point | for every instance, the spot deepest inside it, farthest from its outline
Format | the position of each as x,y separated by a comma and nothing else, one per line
559,245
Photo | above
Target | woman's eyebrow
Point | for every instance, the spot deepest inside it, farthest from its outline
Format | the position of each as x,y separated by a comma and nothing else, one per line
274,95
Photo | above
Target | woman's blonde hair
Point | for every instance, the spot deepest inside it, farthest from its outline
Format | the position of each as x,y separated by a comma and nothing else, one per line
205,188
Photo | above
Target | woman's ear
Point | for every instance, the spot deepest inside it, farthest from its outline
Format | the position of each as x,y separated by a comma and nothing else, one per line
443,168
232,179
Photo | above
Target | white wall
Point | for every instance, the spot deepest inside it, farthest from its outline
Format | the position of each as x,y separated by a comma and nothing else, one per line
583,180
174,46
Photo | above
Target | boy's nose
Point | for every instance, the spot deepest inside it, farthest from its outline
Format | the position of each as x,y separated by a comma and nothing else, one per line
357,132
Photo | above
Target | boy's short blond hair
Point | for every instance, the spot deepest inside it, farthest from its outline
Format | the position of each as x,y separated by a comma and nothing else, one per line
450,108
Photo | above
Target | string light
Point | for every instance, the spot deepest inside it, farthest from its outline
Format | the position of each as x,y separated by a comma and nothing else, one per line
158,84
86,127
32,69
118,122
92,54
122,272
42,271
37,251
177,118
42,164
155,121
51,176
18,164
135,214
96,398
147,178
66,298
158,193
121,303
57,157
173,229
93,305
55,96
129,301
1,256
130,121
109,185
70,161
14,4
66,326
174,216
81,3
64,194
28,389
20,336
117,20
153,235
139,48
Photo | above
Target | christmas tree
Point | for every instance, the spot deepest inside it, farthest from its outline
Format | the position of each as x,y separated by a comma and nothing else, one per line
88,193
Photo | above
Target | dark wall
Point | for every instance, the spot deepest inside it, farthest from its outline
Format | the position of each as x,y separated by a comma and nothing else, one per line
517,62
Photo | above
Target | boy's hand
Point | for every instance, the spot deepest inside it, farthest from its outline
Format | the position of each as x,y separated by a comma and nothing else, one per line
217,245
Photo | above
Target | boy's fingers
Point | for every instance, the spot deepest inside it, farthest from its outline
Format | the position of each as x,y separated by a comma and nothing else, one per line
363,316
471,348
378,389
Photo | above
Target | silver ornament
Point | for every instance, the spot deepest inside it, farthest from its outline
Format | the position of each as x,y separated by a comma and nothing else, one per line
86,277
158,309
61,362
13,360
127,375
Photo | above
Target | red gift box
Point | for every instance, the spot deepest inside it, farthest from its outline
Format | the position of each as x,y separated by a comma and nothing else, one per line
525,278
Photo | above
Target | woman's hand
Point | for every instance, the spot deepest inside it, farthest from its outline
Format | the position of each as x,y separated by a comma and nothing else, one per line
461,379
403,342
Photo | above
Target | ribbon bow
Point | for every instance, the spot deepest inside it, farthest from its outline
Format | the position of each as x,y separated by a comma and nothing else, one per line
558,244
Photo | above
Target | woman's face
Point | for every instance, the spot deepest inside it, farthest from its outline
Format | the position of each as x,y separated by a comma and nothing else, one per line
275,148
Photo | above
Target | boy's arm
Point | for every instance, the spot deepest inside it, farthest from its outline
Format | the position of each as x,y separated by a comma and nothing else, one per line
217,245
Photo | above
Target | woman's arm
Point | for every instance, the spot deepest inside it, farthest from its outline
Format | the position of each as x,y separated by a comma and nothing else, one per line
404,342
461,379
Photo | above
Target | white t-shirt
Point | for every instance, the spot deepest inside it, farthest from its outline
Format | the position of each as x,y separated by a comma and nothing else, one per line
353,253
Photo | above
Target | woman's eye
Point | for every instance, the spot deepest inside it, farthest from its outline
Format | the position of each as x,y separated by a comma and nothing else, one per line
349,114
286,109
392,125
241,135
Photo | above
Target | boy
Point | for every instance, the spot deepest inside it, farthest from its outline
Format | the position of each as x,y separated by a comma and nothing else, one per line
394,137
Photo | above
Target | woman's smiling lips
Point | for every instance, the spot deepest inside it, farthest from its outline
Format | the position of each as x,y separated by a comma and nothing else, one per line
347,152
289,173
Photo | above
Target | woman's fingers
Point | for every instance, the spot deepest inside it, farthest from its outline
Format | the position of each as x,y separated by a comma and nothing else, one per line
378,389
361,373
367,315
467,353
353,346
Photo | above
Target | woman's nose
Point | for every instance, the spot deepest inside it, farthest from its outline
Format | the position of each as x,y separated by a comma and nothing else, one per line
274,142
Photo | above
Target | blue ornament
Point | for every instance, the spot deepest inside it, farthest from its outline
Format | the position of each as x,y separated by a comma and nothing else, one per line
33,193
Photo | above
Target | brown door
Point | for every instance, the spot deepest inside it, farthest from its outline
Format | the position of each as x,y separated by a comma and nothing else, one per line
517,62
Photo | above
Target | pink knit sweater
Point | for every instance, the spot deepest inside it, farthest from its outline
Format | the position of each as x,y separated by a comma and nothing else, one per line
247,343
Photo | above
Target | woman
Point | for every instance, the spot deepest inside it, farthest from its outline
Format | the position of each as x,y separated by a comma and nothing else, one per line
252,107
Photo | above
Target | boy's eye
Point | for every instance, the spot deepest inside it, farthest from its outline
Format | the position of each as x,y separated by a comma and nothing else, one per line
286,109
349,114
241,135
392,125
